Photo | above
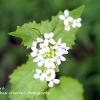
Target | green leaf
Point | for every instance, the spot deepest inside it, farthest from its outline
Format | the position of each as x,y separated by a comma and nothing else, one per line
22,81
77,12
68,89
27,32
30,31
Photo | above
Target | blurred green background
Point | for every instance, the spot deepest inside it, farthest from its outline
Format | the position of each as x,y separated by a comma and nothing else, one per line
84,58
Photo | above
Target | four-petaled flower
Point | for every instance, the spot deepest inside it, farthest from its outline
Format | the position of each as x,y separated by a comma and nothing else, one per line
69,21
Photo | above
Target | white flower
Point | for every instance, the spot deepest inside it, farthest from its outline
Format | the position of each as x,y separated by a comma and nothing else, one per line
40,75
34,49
47,74
40,60
49,38
52,82
49,63
66,14
48,54
70,22
67,20
76,23
39,40
37,75
50,74
60,49
34,53
59,59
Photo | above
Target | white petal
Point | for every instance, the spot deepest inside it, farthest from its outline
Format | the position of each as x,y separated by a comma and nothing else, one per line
41,45
47,64
34,49
39,40
48,78
52,41
51,84
62,17
38,71
39,58
34,44
66,13
53,59
46,42
67,48
74,25
36,76
51,35
40,64
52,65
79,19
43,76
58,62
42,51
66,22
63,45
50,74
59,51
36,59
46,35
65,52
53,75
56,81
62,58
47,49
67,28
79,25
59,41
70,19
33,54
55,47
48,71
53,72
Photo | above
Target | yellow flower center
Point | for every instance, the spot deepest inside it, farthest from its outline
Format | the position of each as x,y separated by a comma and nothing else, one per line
49,54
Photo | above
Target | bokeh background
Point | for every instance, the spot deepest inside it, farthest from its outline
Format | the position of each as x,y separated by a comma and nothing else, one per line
85,55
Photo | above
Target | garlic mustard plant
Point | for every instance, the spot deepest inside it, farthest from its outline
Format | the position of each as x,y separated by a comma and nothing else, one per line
47,54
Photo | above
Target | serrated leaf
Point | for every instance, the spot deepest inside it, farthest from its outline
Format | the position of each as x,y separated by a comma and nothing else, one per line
77,12
22,81
27,32
68,89
30,31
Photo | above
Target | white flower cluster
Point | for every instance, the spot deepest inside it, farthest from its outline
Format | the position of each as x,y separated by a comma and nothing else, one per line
69,21
48,54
